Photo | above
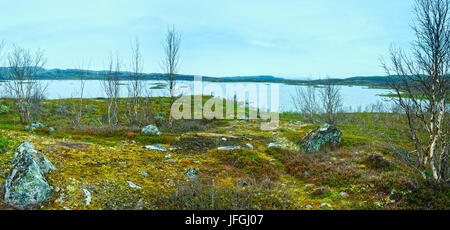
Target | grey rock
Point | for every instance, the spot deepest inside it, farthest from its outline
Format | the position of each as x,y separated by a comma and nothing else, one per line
26,186
250,146
343,194
271,145
88,196
133,185
144,173
228,148
305,174
36,125
309,206
151,129
242,183
325,205
326,135
171,161
319,191
191,174
156,147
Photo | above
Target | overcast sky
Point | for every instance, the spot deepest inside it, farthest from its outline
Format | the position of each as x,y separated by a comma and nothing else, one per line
285,38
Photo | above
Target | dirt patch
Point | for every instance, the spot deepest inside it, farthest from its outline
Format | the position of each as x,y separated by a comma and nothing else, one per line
200,145
77,146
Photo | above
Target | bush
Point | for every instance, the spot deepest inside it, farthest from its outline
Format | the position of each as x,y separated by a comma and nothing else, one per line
250,162
4,109
201,195
3,145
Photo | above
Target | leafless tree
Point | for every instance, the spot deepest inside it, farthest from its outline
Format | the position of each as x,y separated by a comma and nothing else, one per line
135,85
83,73
111,87
421,84
331,100
22,83
171,61
305,101
2,45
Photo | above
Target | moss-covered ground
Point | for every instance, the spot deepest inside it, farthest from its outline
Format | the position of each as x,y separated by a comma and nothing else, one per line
103,160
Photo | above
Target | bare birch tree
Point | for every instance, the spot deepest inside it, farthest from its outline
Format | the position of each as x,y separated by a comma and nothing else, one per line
111,87
22,83
82,75
2,74
304,100
135,86
331,100
171,61
421,84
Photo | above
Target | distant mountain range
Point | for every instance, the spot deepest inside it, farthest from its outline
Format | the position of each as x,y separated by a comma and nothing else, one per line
73,74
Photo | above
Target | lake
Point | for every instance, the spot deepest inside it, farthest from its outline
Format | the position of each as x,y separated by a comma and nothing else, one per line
355,98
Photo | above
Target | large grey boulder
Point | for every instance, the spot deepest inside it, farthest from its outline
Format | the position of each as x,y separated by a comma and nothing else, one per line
152,130
325,136
26,186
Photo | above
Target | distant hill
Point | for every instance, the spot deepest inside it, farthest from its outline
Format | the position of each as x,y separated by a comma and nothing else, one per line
73,74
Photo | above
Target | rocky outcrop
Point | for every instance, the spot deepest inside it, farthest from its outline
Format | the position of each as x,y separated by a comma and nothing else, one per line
26,186
325,136
152,130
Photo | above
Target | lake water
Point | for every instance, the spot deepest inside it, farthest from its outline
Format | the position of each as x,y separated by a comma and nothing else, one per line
355,98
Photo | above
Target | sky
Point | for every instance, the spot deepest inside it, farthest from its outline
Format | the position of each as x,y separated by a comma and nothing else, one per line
285,38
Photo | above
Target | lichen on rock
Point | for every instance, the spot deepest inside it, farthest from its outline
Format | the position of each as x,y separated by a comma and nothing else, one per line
326,135
152,130
26,186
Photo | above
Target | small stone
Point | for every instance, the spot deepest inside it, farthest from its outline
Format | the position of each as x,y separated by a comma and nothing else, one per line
133,185
191,174
250,146
242,183
271,145
343,194
144,173
228,148
319,191
168,156
224,139
156,147
171,161
309,206
88,196
325,205
306,174
151,129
